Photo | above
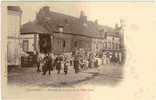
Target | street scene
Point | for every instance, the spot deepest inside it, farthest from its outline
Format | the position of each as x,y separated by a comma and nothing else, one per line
60,50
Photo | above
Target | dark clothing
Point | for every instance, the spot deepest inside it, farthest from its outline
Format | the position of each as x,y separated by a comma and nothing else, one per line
38,66
76,66
112,59
55,61
117,60
82,66
35,58
65,69
47,65
57,64
58,67
96,63
91,64
36,63
71,62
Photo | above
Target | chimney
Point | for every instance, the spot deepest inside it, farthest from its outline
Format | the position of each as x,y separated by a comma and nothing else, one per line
46,9
83,17
43,14
116,26
96,22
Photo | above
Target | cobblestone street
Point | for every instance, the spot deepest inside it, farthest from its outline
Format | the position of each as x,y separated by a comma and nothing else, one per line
29,76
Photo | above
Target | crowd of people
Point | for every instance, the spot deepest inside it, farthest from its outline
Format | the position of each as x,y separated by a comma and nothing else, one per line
79,60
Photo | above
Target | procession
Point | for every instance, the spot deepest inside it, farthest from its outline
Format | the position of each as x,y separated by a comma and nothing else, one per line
79,60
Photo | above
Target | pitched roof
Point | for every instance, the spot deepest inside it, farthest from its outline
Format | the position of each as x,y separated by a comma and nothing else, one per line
32,27
105,28
52,20
110,31
72,25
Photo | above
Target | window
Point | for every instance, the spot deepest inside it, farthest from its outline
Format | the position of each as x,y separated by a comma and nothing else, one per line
25,45
60,44
64,43
105,45
113,45
117,46
109,45
75,43
61,29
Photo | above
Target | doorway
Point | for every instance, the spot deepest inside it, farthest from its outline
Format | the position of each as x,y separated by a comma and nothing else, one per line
45,43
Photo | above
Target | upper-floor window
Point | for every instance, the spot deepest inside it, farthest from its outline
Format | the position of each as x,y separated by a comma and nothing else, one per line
61,29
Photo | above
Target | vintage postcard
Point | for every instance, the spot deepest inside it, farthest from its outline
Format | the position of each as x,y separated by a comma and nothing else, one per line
78,50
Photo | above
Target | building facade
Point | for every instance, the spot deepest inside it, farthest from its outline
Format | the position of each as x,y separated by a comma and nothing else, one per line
13,30
67,33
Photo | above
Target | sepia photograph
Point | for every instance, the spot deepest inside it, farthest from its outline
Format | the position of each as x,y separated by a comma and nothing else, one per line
57,49
77,50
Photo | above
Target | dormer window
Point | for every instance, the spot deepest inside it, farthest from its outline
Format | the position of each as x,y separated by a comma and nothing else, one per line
60,29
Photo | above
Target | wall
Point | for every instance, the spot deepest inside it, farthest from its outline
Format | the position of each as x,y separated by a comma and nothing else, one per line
72,42
13,32
62,42
31,41
97,44
82,42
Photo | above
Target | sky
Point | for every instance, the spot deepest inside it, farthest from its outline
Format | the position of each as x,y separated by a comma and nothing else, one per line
139,17
105,14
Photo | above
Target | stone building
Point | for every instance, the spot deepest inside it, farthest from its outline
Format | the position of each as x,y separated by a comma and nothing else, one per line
64,33
13,35
30,35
